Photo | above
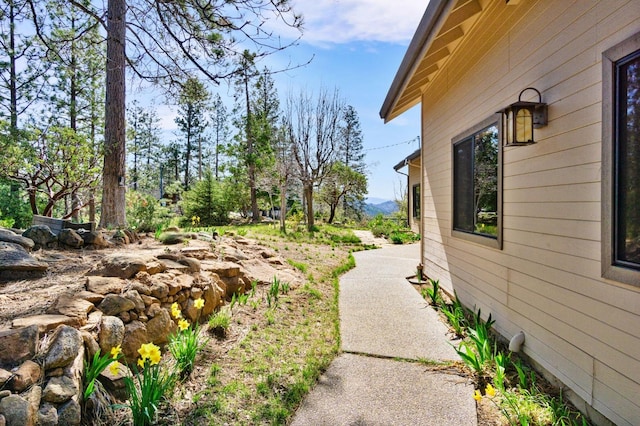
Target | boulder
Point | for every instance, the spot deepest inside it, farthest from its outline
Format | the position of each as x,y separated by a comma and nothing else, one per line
66,343
160,327
95,239
70,238
16,263
46,322
114,304
222,269
212,299
119,265
9,236
90,344
41,236
17,411
104,285
59,390
70,413
18,345
47,415
25,376
159,290
111,333
134,296
72,306
135,334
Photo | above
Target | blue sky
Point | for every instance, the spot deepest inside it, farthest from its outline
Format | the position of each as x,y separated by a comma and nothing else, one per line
357,47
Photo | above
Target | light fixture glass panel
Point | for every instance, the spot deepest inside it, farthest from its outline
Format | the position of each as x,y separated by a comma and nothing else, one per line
524,125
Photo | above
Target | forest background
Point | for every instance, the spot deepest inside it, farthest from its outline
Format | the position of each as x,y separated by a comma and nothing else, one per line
256,150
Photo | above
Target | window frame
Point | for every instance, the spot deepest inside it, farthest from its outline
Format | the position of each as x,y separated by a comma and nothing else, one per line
486,240
610,59
415,200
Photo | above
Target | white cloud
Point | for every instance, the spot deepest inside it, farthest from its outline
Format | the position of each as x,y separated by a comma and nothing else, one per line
343,21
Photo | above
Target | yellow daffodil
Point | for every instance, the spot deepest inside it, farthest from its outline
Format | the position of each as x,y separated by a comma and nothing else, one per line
477,395
175,310
183,324
198,303
145,350
114,368
141,362
115,351
490,390
154,355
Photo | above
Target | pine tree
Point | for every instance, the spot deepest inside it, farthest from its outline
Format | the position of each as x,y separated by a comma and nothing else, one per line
220,134
352,155
192,105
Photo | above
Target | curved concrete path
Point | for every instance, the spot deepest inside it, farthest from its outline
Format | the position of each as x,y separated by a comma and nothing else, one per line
385,324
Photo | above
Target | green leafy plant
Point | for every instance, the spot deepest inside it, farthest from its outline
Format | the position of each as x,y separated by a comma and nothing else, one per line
274,292
184,347
147,388
434,292
96,365
455,316
219,323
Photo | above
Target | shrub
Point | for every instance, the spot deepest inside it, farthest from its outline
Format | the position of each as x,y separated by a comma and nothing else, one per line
209,200
145,213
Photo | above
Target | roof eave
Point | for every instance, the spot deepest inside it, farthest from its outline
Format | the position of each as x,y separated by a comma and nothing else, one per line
415,51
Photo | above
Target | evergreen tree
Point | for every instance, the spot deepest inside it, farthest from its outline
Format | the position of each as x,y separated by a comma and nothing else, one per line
192,105
144,148
220,135
352,155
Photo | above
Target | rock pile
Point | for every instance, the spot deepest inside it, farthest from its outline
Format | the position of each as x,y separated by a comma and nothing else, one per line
126,300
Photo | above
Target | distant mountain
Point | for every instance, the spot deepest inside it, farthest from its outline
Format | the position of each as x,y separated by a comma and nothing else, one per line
385,208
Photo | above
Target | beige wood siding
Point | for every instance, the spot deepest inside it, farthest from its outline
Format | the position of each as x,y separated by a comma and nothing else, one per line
546,280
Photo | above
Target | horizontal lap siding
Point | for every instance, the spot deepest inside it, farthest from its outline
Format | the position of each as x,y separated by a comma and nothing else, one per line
546,279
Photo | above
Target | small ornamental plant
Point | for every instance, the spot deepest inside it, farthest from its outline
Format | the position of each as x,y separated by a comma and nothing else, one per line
97,364
184,345
148,385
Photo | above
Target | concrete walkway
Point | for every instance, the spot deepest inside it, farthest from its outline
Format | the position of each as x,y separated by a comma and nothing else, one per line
385,323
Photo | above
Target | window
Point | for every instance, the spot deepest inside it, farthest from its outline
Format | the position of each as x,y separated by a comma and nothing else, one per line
415,197
621,162
477,184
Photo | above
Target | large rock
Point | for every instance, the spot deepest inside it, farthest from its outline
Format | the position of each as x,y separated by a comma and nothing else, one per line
160,327
66,343
70,238
17,411
41,236
47,415
223,269
111,333
95,239
114,304
16,263
70,413
104,285
212,299
120,265
8,236
18,345
72,306
135,334
45,322
28,374
59,390
134,296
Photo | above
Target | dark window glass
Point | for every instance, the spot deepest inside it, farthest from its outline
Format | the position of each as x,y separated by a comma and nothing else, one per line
475,183
627,163
416,201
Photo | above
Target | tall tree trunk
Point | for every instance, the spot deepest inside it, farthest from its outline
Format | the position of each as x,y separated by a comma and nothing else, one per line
113,175
308,194
255,213
283,208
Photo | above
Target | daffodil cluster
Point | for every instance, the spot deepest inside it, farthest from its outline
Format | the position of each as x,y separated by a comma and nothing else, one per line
114,367
490,391
175,310
150,352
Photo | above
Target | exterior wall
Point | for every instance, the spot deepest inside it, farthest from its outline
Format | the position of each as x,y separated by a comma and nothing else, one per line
546,280
414,179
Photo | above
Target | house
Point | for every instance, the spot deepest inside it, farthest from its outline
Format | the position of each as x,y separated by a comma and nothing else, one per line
412,163
545,236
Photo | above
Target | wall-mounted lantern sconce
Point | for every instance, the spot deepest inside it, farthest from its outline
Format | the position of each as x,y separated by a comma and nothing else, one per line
521,118
120,180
